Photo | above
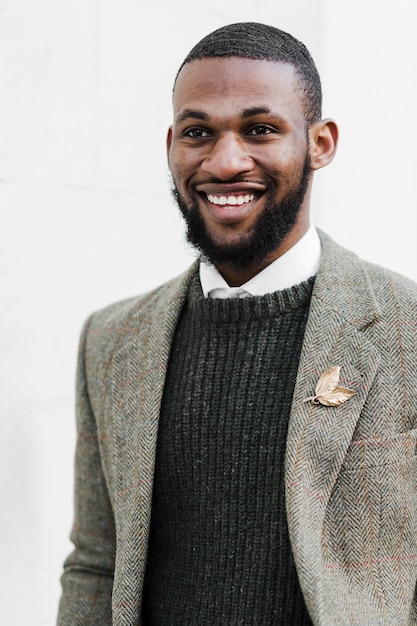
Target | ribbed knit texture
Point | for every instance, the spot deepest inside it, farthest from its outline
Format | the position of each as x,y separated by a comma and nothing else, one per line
219,551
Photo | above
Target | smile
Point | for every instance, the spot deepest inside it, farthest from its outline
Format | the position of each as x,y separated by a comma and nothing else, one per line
236,200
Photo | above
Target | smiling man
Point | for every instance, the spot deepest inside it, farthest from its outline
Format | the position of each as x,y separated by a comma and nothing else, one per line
247,431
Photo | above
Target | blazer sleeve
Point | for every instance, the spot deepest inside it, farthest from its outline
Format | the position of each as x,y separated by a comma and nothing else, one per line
87,580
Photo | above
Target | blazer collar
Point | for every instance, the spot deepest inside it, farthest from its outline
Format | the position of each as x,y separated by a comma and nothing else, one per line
343,285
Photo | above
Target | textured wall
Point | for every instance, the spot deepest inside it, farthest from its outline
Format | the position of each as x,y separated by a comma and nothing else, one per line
87,218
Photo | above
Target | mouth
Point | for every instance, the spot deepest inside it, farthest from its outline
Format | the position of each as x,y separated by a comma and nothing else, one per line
231,208
230,203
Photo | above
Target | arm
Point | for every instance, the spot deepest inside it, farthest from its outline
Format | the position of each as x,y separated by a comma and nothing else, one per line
87,580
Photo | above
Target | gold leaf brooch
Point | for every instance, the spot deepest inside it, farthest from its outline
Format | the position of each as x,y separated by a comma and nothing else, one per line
328,391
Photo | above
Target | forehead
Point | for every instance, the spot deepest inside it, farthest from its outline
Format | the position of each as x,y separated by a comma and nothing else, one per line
223,85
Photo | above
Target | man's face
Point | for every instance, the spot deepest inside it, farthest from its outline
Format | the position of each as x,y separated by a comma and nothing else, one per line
239,157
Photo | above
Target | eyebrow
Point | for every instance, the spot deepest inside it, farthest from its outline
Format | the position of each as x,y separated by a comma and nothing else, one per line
191,113
202,116
263,110
255,111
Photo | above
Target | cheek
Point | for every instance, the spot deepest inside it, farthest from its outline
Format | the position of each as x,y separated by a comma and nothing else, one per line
278,162
291,167
175,166
182,167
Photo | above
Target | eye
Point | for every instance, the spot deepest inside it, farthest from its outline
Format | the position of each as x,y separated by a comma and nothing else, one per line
260,130
196,133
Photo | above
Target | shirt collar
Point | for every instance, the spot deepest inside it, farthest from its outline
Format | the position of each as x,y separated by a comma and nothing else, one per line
295,266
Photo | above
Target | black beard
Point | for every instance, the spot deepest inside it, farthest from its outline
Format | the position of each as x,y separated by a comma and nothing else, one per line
267,234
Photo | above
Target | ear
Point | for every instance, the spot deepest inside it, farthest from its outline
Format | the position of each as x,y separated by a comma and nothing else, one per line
169,141
323,142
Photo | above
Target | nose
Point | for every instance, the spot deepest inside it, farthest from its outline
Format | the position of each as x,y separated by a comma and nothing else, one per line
228,157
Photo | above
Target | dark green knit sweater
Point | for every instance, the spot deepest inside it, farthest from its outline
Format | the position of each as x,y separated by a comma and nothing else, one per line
219,549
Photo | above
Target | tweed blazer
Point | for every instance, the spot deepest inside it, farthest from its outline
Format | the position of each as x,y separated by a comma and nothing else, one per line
351,470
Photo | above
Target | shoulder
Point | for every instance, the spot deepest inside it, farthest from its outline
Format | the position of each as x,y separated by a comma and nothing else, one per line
121,312
106,328
387,283
387,286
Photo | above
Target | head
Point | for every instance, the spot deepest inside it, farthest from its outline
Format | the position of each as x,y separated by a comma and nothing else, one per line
250,40
246,137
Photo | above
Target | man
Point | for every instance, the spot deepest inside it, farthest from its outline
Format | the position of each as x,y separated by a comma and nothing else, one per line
247,432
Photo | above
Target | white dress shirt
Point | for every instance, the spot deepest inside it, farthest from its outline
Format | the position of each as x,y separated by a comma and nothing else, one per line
296,265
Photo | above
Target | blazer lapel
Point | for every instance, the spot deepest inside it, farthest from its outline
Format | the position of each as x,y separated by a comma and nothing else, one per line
138,375
341,309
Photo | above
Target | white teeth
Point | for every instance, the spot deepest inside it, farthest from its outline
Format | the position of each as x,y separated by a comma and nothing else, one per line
230,200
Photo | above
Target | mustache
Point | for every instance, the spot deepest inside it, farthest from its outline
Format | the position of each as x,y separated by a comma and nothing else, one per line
236,179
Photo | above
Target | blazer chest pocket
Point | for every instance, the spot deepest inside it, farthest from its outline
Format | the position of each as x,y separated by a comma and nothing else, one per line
371,518
374,452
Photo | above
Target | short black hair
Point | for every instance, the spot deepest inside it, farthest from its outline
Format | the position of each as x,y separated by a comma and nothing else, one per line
252,40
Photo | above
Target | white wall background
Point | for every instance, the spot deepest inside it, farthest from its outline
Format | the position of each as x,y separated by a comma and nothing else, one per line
86,216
